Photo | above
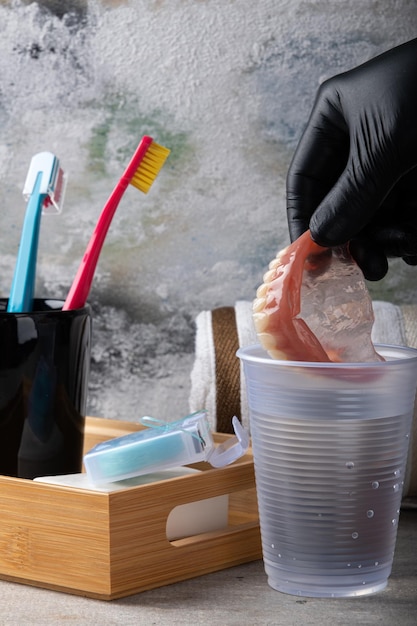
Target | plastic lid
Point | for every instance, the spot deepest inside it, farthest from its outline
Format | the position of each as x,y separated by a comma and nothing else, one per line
227,452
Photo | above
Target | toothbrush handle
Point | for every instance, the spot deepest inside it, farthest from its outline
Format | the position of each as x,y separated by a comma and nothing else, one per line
23,285
80,288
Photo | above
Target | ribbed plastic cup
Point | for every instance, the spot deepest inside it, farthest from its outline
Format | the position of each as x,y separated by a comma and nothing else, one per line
330,444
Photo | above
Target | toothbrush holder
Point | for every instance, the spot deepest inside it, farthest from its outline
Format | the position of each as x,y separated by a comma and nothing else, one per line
44,372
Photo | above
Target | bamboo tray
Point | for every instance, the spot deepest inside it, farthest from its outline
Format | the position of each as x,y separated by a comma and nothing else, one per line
111,545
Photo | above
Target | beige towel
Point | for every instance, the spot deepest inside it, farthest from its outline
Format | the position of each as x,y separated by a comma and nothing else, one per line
217,381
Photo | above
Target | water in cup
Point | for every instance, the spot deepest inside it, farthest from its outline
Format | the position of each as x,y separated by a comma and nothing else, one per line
330,445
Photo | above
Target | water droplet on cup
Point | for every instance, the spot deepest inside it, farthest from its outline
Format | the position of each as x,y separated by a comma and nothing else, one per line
397,473
394,522
375,484
396,487
355,535
376,562
369,513
350,464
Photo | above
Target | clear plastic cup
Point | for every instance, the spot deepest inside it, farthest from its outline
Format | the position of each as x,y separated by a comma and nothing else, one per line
330,444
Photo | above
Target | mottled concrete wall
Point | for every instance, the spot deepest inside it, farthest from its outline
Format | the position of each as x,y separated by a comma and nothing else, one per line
228,87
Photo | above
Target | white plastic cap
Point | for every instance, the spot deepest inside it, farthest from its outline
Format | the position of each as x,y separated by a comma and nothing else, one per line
230,450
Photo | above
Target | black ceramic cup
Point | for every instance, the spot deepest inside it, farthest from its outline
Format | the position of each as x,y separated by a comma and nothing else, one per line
44,371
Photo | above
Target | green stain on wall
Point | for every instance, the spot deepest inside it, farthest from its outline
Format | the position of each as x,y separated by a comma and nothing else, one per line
119,130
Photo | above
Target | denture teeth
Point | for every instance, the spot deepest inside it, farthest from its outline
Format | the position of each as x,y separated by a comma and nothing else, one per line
274,264
277,305
268,341
261,321
262,291
270,275
278,354
258,305
281,253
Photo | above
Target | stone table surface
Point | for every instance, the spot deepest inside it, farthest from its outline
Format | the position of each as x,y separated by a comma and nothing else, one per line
236,596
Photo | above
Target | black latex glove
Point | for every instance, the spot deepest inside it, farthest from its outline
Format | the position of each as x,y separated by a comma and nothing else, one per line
353,176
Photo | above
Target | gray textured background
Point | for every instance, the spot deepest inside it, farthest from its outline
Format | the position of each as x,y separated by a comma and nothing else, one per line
228,87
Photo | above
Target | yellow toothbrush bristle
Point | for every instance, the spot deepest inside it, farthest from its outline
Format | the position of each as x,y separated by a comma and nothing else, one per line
150,167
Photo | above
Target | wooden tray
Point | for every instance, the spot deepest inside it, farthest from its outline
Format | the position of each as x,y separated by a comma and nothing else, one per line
111,545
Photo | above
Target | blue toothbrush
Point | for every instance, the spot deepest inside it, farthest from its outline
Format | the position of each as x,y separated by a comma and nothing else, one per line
44,188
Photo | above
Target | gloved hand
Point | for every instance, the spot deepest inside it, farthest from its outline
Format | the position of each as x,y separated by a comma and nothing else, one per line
353,176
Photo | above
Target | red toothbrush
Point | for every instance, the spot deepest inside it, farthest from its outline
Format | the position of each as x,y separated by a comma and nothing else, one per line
141,172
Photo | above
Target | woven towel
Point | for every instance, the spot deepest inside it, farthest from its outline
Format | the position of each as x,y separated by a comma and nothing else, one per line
217,380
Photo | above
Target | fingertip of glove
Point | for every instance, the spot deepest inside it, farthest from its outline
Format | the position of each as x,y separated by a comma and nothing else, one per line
327,231
322,239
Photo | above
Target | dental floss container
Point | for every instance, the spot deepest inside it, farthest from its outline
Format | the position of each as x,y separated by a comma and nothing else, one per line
163,446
